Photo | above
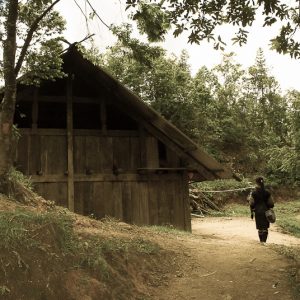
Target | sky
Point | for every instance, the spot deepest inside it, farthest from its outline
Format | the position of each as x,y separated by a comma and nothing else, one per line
285,69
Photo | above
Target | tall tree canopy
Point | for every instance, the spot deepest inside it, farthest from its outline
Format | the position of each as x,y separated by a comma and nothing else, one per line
202,18
30,32
239,115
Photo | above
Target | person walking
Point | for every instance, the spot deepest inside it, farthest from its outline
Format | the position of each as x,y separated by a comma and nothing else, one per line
260,202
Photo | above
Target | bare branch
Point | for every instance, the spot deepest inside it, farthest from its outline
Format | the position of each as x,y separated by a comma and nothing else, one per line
86,38
29,36
95,12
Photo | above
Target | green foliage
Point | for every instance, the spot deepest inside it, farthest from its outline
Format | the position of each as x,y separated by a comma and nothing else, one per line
283,164
202,19
238,115
17,176
43,63
152,20
161,81
288,217
219,185
42,57
134,48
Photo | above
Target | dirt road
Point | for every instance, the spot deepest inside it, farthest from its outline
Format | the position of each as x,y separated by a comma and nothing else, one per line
224,260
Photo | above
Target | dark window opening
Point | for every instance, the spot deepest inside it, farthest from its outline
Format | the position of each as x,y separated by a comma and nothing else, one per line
23,115
86,116
162,154
117,120
82,89
53,88
52,115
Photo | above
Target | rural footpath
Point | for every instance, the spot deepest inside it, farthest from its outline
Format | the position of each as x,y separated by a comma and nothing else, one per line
47,252
224,260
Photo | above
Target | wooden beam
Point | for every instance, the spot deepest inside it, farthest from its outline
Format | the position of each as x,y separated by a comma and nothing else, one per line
76,99
103,178
80,132
160,170
186,203
70,143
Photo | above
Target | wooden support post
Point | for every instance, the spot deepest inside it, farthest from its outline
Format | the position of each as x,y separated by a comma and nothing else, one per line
70,143
186,202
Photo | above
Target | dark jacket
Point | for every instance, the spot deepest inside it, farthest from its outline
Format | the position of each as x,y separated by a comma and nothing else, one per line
261,201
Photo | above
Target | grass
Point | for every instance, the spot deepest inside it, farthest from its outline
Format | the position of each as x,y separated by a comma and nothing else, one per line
291,253
23,228
232,210
288,251
4,290
287,215
17,176
97,254
167,229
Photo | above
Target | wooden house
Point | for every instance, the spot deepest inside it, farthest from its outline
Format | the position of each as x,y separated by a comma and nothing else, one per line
91,145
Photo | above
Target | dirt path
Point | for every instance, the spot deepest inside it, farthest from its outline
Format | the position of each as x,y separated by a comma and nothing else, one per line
224,260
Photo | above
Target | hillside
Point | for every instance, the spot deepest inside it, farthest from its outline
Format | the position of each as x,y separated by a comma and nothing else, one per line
47,252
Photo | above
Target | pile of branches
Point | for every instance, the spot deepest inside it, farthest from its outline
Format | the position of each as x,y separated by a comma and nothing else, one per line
200,203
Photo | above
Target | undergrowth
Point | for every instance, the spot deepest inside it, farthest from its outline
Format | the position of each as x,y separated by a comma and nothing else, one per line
95,251
17,176
24,228
288,217
294,254
168,229
219,185
30,230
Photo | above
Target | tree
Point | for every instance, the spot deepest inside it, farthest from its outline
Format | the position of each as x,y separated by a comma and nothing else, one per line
229,131
266,106
162,82
284,160
35,26
201,19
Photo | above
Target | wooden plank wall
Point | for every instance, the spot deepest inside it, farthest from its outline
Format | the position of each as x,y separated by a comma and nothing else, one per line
152,199
45,155
102,154
42,155
152,202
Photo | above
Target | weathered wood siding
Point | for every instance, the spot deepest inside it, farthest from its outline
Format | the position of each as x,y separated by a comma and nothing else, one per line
152,202
142,199
86,152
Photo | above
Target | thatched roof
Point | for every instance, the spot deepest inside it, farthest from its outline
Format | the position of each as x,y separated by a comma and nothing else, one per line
203,165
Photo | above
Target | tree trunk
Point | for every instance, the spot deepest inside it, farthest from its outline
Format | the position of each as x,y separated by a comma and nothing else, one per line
7,108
